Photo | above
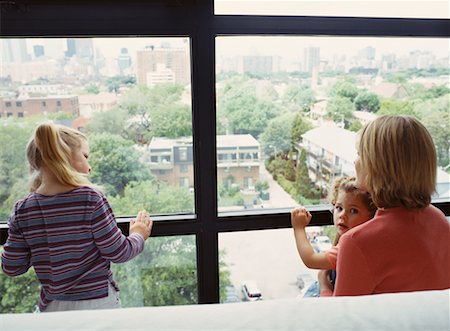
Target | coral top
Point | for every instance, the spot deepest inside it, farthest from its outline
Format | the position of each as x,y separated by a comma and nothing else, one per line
399,250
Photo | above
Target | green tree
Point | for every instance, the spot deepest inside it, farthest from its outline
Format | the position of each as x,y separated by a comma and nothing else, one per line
19,294
115,162
147,107
153,196
240,111
14,136
366,101
340,109
301,96
93,89
302,181
164,274
300,125
344,87
396,107
277,136
438,124
172,121
111,121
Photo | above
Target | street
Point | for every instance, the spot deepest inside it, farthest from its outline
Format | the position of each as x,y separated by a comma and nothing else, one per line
268,257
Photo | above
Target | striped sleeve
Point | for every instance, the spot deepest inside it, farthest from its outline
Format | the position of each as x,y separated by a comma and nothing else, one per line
16,257
113,245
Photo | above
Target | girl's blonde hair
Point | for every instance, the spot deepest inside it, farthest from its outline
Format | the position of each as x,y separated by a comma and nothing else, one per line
51,147
398,156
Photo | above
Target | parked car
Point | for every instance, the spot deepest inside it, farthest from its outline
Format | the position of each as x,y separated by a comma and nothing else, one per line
321,243
251,291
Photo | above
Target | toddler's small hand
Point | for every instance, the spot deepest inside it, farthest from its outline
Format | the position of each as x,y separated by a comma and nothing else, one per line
300,217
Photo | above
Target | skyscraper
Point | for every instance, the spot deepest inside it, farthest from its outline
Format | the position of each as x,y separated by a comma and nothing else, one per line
312,58
14,50
38,51
175,59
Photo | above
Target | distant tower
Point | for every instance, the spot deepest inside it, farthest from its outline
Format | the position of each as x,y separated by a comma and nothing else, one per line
14,50
81,48
38,51
312,58
176,59
367,53
124,60
71,48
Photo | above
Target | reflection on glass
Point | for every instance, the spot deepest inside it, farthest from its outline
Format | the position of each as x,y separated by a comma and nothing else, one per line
289,108
265,262
365,8
131,96
164,274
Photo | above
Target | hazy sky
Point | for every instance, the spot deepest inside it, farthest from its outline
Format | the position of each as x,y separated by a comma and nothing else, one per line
381,8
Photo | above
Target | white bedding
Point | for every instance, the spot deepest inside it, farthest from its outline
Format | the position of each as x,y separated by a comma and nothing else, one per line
400,312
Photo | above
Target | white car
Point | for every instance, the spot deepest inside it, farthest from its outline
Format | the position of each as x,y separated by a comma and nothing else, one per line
251,291
321,243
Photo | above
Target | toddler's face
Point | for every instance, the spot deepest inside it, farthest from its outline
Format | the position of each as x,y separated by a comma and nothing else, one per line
80,159
349,211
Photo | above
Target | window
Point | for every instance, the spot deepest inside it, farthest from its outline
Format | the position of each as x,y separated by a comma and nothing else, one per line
184,168
366,8
20,114
44,104
18,103
183,153
274,65
8,104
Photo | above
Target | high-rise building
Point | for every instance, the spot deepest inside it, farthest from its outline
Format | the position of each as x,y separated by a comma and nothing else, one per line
258,64
81,48
38,51
175,59
367,53
14,50
312,58
124,60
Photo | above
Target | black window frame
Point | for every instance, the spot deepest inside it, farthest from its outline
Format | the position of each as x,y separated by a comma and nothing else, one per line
196,19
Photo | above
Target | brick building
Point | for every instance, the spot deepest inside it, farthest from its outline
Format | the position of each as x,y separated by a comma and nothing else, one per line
26,107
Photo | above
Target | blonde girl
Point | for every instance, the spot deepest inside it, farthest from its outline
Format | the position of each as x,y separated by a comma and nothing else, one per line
65,227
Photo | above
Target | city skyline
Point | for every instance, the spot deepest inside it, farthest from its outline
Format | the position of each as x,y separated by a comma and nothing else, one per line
284,46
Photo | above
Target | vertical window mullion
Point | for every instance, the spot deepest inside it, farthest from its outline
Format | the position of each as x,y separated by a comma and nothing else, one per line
204,132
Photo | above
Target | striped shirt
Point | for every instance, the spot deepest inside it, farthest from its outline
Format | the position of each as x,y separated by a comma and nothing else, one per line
69,239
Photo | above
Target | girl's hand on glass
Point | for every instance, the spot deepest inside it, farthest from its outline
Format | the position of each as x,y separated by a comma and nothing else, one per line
142,224
300,217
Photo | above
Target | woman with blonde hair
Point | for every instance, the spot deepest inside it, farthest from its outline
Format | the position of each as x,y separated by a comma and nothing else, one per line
406,246
65,227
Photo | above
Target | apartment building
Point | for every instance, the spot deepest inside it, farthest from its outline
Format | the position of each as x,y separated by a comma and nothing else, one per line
25,107
171,160
330,152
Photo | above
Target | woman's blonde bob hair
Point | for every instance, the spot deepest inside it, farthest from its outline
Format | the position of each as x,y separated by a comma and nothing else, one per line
51,146
398,156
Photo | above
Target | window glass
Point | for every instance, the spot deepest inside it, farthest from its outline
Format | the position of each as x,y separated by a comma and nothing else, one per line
365,8
290,107
164,274
130,96
280,274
